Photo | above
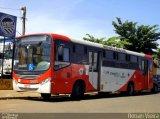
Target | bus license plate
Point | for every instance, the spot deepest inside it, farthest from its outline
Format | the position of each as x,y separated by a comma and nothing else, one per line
27,86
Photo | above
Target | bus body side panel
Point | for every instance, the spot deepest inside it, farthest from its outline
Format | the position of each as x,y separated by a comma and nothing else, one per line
61,81
64,79
150,80
137,79
114,78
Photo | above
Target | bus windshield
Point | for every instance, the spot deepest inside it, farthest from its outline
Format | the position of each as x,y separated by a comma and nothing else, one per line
32,54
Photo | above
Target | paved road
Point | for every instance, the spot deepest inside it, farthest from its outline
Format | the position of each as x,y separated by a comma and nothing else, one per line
114,103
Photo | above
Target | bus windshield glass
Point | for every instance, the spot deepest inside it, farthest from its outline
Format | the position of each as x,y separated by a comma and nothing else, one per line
32,54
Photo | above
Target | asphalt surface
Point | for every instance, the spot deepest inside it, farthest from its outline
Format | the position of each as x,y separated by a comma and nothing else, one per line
114,103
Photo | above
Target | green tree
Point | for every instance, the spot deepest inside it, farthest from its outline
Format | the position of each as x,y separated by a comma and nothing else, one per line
141,37
157,54
116,42
93,39
113,41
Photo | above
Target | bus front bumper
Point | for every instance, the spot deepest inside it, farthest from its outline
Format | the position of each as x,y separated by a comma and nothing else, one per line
44,87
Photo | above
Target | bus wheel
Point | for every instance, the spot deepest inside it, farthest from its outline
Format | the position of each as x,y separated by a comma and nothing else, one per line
155,89
45,96
130,89
78,90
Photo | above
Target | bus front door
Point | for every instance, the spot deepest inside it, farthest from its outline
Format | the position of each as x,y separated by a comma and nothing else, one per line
93,69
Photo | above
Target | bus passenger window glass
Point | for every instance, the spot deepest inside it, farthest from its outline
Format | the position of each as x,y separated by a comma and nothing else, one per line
114,55
109,54
66,54
117,56
142,65
62,54
128,57
90,61
59,56
134,59
90,58
95,61
104,54
85,49
121,56
74,49
79,49
62,57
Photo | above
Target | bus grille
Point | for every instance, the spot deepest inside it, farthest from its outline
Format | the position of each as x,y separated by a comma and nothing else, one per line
28,76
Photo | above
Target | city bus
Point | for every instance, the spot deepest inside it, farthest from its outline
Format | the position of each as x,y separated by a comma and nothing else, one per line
53,64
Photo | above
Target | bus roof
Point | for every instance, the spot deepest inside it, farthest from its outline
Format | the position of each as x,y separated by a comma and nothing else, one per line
84,42
111,48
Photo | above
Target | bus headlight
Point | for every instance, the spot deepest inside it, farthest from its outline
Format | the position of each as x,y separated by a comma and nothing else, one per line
15,81
45,81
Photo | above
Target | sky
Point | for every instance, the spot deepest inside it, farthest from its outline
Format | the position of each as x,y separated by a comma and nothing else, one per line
76,18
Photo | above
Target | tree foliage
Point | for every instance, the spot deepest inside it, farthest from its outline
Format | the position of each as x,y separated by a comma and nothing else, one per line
116,42
93,39
157,54
140,38
113,41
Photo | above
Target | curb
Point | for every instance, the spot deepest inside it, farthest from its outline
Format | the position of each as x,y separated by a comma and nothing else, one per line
6,98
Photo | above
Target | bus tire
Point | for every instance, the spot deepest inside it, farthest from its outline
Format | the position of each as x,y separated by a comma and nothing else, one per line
130,89
45,96
78,90
155,89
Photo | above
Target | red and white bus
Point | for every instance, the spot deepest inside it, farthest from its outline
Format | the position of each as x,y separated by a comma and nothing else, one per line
55,64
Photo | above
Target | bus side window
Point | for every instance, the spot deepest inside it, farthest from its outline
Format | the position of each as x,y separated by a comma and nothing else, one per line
62,54
128,57
139,62
59,56
114,55
62,57
143,65
95,60
66,54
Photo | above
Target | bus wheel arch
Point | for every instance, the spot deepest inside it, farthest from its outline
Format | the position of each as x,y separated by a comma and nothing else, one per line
130,88
78,89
